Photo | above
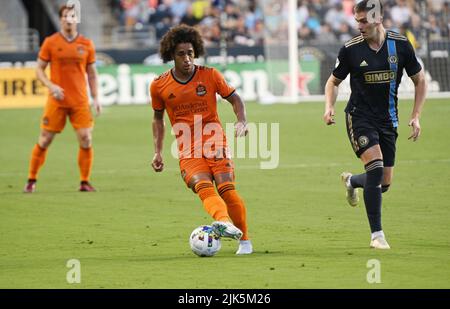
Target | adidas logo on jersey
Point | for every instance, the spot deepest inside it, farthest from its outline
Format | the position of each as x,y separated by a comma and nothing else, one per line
364,64
172,96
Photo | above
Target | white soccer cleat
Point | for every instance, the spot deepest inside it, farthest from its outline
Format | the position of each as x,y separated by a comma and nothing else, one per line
245,247
226,229
352,193
379,243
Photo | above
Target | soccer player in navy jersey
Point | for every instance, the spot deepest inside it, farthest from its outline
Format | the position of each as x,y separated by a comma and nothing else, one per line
375,60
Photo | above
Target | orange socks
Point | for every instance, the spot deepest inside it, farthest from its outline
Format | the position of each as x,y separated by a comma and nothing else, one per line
37,160
235,205
85,159
213,203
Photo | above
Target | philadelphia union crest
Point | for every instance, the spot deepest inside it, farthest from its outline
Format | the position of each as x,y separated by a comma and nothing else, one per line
363,141
393,59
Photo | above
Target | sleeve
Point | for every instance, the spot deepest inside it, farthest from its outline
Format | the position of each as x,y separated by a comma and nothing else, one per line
222,87
45,53
91,53
157,102
342,68
412,66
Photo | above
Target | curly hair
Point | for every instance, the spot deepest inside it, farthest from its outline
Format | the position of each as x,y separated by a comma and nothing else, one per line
180,34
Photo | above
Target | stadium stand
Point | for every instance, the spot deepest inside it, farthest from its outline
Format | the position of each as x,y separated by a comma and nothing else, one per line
317,20
14,32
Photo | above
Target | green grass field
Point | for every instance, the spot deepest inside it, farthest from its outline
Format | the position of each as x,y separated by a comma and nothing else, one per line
134,232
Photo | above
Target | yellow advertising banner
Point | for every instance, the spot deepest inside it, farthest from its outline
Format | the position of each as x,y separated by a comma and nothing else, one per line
20,88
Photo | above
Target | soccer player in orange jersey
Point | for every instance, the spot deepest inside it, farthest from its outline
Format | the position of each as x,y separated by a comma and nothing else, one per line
188,93
71,56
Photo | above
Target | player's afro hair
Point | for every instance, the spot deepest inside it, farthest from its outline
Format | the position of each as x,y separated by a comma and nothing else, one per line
180,34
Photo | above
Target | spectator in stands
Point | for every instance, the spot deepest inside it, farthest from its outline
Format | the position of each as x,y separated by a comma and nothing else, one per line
401,13
257,33
131,12
189,18
313,17
326,35
335,17
178,9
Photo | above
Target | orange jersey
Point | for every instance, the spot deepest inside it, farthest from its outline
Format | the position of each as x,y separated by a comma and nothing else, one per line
193,104
68,64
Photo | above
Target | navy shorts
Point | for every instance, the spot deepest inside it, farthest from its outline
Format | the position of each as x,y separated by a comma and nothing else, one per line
364,133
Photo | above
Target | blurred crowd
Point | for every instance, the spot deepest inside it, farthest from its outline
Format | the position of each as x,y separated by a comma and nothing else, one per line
251,22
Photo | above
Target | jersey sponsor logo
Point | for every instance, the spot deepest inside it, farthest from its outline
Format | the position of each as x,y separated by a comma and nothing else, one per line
363,141
379,77
201,90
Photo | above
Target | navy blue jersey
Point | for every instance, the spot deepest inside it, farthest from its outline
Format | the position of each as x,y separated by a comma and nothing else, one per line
376,75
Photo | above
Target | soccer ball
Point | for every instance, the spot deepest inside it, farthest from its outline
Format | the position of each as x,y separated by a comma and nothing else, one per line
204,242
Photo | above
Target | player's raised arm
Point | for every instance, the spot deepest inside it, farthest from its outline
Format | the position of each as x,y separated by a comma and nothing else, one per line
331,92
419,100
56,91
158,140
93,86
240,128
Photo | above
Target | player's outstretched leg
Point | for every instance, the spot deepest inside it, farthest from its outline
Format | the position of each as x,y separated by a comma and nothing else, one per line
372,200
352,192
37,159
216,208
85,159
238,214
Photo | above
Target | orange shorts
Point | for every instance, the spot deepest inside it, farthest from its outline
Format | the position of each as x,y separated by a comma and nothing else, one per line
193,166
54,118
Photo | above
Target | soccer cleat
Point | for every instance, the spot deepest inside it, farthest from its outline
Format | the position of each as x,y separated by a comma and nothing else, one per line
30,186
85,186
379,243
352,193
245,247
226,229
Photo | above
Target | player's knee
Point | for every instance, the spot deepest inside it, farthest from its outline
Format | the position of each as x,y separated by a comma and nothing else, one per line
225,187
85,140
385,188
45,139
204,189
374,173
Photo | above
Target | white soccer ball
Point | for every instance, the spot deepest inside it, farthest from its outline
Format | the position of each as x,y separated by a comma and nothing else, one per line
204,242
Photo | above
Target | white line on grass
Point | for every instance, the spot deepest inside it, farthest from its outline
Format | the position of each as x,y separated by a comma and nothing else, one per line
251,167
